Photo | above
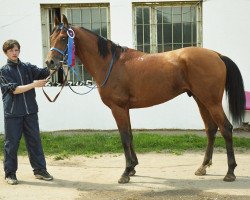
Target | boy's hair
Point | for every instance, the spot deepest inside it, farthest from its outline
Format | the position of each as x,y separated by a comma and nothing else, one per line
9,44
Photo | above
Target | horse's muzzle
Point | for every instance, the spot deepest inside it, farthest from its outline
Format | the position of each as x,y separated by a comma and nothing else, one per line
52,65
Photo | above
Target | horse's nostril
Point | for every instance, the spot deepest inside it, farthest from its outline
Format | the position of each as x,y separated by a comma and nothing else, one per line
49,63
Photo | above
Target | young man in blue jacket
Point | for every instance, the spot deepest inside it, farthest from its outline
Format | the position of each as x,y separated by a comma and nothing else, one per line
18,80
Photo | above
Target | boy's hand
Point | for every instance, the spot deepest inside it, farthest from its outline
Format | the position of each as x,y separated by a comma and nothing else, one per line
40,83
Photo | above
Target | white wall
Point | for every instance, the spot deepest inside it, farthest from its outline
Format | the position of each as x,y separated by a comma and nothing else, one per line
226,29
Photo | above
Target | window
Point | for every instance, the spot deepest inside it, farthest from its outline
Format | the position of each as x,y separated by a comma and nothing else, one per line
161,27
94,17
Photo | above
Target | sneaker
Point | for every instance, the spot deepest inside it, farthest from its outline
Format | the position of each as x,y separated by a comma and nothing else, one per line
11,179
43,174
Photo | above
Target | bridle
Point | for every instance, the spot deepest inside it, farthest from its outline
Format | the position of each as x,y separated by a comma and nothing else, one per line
65,53
71,34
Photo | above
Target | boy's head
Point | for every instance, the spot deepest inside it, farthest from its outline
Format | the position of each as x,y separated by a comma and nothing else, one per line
11,48
10,44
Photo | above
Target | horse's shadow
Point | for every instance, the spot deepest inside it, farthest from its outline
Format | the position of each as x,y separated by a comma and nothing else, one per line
202,182
143,182
64,183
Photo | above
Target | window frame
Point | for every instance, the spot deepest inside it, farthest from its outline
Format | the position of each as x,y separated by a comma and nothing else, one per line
153,21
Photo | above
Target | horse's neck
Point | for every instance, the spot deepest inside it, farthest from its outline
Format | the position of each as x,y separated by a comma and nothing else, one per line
87,52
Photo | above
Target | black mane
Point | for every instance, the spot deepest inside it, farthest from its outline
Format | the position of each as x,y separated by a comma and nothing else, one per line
103,46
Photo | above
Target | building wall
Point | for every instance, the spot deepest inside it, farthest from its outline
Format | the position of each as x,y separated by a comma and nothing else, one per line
226,29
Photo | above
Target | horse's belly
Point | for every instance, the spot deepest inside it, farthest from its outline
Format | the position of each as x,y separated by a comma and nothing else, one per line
151,100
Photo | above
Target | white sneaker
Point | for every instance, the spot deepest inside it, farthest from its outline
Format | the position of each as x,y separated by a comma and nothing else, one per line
43,174
11,179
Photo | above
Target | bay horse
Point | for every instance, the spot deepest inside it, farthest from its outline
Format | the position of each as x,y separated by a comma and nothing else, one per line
203,74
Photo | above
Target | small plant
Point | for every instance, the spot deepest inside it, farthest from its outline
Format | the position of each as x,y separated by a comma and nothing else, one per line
61,156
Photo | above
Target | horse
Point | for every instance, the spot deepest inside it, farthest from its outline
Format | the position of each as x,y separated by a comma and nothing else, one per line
201,73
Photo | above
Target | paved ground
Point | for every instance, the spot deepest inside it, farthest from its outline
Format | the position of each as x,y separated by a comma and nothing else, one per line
158,177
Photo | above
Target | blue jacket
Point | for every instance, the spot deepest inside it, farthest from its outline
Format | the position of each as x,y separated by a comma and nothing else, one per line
15,74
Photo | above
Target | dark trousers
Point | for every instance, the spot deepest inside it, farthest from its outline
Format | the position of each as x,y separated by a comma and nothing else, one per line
14,128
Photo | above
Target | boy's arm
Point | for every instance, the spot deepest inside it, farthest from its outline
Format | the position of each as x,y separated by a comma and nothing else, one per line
6,82
24,88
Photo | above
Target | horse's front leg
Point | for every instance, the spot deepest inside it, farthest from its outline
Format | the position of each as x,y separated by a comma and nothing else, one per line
122,118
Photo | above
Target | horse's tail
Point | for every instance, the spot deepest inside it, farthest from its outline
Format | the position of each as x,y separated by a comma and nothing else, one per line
235,91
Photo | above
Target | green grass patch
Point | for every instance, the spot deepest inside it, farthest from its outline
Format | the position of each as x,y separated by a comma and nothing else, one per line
64,145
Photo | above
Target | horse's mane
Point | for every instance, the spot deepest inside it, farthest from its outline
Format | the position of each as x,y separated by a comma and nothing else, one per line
103,46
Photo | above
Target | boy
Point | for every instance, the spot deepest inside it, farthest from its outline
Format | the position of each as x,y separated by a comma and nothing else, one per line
17,81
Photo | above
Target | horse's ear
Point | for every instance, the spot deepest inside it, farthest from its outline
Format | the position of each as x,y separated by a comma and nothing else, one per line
56,21
65,21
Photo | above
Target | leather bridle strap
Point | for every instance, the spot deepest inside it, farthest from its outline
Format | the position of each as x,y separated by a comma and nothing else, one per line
64,83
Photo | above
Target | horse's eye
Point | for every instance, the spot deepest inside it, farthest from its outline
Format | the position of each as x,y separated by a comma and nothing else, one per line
64,38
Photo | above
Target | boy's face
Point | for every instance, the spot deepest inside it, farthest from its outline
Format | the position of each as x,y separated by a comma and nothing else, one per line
13,53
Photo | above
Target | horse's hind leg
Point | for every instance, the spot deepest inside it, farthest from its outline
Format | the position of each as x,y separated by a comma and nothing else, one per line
122,118
226,131
211,129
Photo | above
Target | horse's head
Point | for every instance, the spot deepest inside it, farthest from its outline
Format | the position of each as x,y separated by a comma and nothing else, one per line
58,44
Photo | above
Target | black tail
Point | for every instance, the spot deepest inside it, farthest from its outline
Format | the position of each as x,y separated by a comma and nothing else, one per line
235,91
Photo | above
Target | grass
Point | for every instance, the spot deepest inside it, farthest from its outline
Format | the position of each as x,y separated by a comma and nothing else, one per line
90,143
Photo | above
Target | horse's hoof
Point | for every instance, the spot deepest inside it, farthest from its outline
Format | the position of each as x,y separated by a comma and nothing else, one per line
124,179
229,178
201,171
132,173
